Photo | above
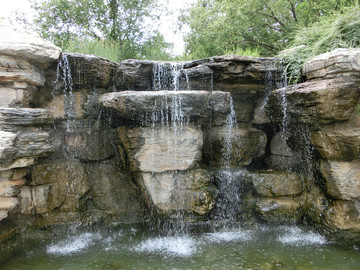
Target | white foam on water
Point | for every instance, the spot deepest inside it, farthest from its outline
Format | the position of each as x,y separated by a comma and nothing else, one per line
296,236
229,236
73,244
177,246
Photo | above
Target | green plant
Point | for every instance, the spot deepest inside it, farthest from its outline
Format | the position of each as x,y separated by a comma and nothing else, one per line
255,52
338,30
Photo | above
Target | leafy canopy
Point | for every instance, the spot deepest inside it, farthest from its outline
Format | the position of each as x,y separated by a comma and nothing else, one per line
329,33
119,27
265,26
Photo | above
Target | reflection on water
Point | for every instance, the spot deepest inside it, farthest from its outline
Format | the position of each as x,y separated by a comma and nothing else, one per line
285,247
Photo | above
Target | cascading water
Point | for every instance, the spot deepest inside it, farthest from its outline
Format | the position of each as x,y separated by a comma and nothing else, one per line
229,179
64,74
134,248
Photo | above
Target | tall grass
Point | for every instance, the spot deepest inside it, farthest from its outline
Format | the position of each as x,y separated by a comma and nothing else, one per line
150,50
106,49
341,30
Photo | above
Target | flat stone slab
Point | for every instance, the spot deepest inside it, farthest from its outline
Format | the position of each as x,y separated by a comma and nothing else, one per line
332,64
315,102
166,105
19,42
25,117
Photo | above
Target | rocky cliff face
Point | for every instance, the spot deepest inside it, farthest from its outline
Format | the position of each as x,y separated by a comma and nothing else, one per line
86,140
326,111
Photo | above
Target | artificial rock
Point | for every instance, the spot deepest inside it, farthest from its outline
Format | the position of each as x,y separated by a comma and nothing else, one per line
92,151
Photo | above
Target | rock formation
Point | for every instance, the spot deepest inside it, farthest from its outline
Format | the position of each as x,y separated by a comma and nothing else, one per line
85,140
327,108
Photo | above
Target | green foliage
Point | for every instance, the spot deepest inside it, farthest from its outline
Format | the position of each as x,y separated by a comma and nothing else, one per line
338,30
106,49
154,49
102,25
255,52
223,26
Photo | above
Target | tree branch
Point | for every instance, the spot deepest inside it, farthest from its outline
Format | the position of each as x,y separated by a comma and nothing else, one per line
273,16
254,42
293,11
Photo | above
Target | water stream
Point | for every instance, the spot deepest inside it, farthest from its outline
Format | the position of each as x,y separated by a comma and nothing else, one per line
138,247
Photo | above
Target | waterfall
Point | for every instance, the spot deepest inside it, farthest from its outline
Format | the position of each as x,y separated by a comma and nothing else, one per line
229,179
63,73
166,76
170,76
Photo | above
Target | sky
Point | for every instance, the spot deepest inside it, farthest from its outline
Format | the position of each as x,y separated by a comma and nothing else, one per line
167,27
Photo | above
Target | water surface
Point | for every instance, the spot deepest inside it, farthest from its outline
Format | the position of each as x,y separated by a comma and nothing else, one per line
284,247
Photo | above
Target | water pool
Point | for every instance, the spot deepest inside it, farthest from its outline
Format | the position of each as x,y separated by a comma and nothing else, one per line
283,247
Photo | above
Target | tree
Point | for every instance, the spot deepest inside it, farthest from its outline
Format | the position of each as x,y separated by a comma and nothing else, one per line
218,26
120,21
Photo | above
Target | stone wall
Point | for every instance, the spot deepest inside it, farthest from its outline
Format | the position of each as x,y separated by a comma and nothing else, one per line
85,140
322,118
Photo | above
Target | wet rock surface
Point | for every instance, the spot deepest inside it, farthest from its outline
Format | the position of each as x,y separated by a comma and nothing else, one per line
91,151
316,102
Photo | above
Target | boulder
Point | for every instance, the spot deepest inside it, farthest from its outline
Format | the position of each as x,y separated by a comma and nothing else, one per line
342,179
25,117
161,149
233,145
337,63
7,204
168,107
7,140
175,192
344,216
12,97
19,70
276,184
10,188
315,102
90,72
58,185
279,146
27,147
90,140
26,200
280,210
340,141
113,194
229,70
26,44
18,163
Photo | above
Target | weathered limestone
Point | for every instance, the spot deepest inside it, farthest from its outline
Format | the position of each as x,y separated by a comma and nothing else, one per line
25,117
279,210
176,191
110,151
162,149
337,63
112,194
26,44
345,215
340,141
167,106
19,70
242,144
20,147
90,140
91,72
342,179
23,57
244,77
276,184
316,102
274,196
164,158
